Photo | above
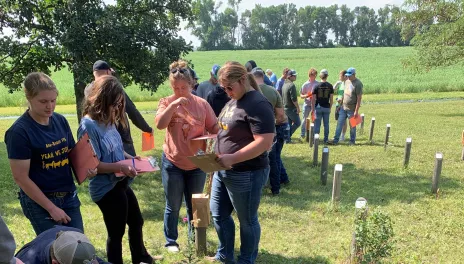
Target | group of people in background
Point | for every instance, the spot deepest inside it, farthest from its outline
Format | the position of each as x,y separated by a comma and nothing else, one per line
252,113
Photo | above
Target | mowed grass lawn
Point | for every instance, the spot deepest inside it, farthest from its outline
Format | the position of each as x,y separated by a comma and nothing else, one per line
380,69
300,225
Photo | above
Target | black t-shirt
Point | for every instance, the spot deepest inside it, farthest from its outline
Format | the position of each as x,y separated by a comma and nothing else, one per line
47,147
238,121
323,90
217,99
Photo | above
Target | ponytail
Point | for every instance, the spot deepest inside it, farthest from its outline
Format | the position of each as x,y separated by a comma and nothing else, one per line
252,82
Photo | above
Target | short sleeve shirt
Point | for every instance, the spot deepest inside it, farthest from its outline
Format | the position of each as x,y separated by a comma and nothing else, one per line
189,121
239,121
306,88
204,88
289,95
271,95
108,147
351,92
322,92
47,148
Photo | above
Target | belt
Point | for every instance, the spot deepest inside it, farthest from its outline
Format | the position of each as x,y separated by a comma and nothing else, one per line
57,194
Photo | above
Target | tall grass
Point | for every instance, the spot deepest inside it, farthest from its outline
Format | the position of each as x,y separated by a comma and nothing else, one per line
380,70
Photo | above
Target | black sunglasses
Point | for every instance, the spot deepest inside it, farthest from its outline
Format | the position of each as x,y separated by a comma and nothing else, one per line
181,70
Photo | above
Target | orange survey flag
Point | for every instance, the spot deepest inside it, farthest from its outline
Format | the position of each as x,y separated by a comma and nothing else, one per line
148,141
313,116
355,120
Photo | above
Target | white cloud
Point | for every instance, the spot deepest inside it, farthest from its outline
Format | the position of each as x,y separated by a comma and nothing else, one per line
299,3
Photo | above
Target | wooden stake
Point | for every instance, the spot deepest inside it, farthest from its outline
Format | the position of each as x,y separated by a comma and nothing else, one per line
337,183
324,165
311,136
437,172
387,136
316,150
462,155
200,241
308,121
371,135
407,152
362,123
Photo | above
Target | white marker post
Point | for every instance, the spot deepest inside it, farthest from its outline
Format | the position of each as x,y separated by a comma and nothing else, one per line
407,152
316,150
337,183
311,136
324,165
387,136
371,135
437,171
362,123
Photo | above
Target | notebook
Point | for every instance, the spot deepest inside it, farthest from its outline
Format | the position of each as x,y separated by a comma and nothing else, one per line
83,158
148,164
206,162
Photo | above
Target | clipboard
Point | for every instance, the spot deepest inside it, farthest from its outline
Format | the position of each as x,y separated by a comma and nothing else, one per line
148,141
210,136
148,164
83,158
206,162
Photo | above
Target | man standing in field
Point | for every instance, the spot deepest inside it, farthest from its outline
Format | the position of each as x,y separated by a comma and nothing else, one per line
250,65
272,76
277,174
351,102
306,92
207,86
102,68
290,100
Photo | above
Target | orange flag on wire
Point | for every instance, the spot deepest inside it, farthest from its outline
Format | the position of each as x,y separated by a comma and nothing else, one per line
148,141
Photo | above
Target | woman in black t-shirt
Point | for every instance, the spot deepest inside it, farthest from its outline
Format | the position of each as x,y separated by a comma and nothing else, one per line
38,144
246,132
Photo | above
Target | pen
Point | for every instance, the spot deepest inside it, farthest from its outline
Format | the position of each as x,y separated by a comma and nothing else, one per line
133,164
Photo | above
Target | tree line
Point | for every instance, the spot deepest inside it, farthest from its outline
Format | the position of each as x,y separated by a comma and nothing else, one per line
285,26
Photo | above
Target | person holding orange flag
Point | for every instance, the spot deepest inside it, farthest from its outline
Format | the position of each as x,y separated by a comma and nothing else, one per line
306,93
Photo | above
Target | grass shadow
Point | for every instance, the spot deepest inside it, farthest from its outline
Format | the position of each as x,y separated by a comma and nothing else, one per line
268,258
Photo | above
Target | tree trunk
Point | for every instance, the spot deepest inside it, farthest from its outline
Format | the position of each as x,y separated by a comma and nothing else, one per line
79,87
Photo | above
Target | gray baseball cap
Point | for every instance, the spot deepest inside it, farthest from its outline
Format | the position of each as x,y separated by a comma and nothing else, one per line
72,247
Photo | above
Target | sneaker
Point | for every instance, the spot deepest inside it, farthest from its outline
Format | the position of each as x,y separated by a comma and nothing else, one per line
173,249
211,259
285,182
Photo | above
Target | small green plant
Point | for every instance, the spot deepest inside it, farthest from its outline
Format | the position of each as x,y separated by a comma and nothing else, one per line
373,237
189,252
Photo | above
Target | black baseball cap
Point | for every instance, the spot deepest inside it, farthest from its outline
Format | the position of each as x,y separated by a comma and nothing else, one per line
101,65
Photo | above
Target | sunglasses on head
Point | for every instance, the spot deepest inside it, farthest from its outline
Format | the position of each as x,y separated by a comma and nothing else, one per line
181,70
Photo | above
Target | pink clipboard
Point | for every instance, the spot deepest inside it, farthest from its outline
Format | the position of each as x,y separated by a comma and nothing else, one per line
210,136
145,165
83,158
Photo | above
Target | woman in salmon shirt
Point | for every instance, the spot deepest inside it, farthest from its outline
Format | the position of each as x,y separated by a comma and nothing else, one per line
184,116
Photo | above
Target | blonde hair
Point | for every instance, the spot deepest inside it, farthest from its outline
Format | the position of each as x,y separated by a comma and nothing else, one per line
35,82
105,92
312,71
179,70
233,71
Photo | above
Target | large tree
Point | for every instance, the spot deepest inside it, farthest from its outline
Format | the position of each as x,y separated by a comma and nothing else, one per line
438,30
139,39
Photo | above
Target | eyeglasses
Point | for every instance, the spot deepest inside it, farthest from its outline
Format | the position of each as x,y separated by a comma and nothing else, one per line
227,88
181,70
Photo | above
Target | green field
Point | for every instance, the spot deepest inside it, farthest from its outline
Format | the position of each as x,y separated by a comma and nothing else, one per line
380,69
300,226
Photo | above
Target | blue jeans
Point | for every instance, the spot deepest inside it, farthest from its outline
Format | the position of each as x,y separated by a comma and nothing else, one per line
277,169
40,218
178,183
344,114
324,114
306,111
293,120
240,191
